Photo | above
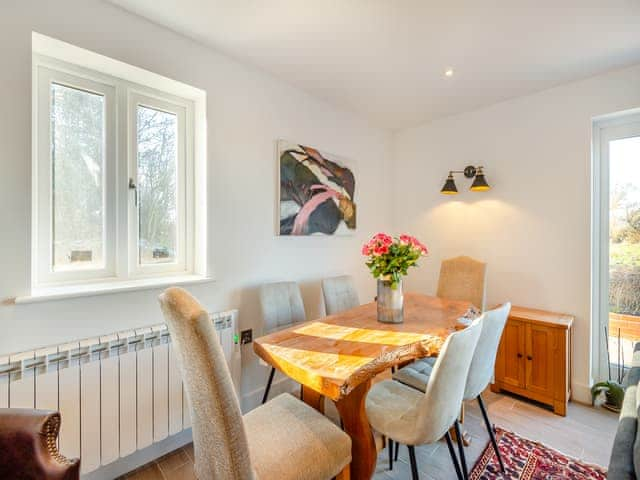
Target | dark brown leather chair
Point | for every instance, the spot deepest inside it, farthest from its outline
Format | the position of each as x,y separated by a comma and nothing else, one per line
28,449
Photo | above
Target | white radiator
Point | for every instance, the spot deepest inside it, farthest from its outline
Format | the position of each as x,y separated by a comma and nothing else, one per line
117,393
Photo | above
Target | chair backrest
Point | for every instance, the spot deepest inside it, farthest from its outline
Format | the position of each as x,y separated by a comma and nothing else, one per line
281,305
463,278
484,357
441,404
219,438
340,294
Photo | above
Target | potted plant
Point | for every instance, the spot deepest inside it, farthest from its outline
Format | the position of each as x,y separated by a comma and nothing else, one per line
389,259
608,394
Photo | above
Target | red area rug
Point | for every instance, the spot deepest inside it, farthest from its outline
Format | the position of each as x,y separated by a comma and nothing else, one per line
527,460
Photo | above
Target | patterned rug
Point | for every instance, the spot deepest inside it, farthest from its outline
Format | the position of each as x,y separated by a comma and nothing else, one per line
527,460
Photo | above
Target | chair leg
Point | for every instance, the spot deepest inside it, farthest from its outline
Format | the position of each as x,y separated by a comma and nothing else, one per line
454,458
266,390
492,435
463,460
395,455
390,448
414,464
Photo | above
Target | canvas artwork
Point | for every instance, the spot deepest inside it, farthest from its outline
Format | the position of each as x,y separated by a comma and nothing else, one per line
317,192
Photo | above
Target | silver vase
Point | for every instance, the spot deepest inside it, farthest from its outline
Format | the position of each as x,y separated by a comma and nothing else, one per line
390,302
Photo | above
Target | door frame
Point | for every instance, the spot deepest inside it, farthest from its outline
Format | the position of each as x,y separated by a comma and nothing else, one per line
604,129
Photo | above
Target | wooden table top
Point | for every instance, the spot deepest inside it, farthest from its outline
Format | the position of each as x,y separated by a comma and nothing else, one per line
333,355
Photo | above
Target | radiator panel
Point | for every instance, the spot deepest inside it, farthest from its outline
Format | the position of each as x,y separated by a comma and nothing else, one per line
117,394
128,407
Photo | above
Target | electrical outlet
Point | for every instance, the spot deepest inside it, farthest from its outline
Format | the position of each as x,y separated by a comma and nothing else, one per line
246,336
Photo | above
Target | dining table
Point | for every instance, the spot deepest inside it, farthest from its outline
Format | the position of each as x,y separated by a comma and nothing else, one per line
338,356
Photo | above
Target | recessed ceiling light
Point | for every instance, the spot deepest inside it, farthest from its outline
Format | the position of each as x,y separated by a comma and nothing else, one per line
448,72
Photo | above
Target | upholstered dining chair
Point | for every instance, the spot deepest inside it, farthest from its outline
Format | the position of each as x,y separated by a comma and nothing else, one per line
406,415
282,306
463,278
418,376
339,294
284,439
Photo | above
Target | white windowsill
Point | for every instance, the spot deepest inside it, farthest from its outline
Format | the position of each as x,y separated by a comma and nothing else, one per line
44,294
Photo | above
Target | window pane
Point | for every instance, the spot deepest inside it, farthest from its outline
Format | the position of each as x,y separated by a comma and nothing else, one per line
77,152
624,250
157,185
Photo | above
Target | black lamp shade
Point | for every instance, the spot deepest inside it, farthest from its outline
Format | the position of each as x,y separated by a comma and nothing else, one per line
449,186
480,183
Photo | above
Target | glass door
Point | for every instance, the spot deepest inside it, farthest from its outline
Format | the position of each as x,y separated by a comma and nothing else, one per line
619,248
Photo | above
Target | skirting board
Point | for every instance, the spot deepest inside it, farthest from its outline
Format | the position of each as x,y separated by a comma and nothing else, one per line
581,393
140,457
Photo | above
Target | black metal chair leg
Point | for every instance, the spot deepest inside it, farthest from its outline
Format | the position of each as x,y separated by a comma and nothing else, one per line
266,390
463,460
395,455
454,458
390,448
492,435
414,464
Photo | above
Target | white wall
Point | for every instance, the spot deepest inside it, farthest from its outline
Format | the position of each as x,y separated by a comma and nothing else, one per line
247,111
533,227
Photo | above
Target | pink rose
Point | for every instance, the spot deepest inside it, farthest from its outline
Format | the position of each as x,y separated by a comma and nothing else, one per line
380,250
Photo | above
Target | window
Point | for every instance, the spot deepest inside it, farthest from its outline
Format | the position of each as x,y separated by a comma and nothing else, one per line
114,178
616,279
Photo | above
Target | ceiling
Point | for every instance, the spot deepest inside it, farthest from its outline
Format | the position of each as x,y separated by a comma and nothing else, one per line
385,59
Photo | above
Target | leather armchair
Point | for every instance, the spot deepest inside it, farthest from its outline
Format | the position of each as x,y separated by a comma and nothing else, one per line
28,449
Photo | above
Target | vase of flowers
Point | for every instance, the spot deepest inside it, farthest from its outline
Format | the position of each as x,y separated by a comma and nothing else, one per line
388,259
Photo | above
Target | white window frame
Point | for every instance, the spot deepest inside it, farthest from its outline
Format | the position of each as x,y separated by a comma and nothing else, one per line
44,177
120,217
184,241
605,130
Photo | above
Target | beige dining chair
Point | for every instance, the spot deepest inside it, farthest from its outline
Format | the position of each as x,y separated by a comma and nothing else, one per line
339,294
418,375
284,439
463,278
408,416
282,306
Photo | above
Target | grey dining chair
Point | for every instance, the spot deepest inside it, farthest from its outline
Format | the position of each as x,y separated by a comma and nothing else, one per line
461,278
282,306
230,446
405,415
339,294
418,375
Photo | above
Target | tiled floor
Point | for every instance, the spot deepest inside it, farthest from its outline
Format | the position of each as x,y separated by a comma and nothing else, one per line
585,433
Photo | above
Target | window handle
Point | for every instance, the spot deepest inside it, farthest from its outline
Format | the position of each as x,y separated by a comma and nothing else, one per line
134,187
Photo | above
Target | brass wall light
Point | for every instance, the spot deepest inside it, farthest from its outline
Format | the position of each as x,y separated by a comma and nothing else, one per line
479,182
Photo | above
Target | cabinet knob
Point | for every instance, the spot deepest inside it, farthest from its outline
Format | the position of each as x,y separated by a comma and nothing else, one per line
529,357
519,355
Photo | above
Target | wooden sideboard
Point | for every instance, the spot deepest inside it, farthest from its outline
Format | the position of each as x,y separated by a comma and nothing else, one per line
534,357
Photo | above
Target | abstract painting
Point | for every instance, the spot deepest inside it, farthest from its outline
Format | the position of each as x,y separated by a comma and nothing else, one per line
317,192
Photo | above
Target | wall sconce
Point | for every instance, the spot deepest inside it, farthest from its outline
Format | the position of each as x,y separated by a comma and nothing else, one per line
479,182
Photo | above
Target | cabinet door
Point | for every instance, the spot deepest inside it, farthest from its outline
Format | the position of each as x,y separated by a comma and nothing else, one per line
510,370
539,359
